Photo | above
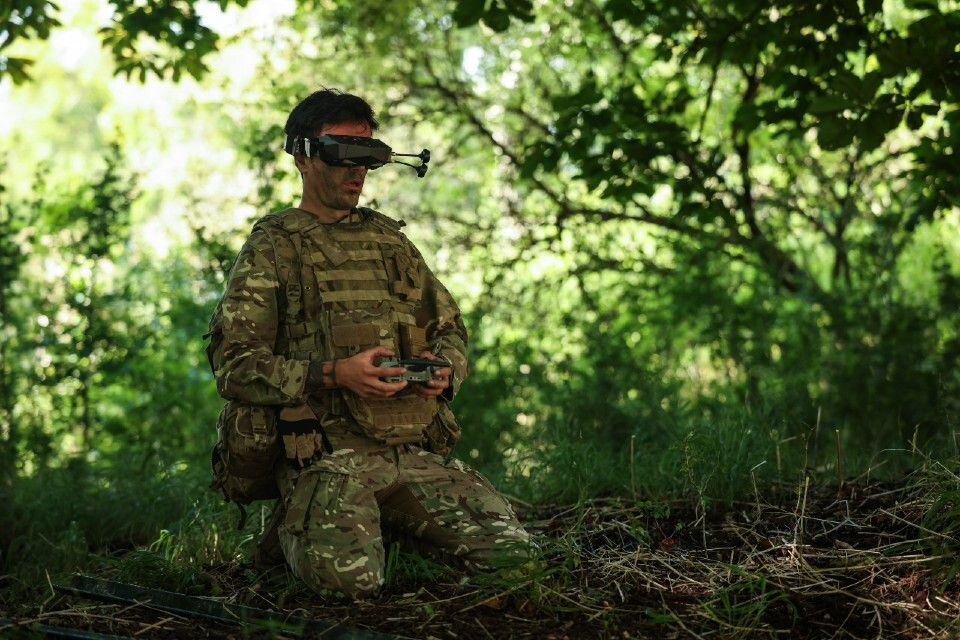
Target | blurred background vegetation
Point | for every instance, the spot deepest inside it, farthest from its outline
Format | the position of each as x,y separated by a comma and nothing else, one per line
693,242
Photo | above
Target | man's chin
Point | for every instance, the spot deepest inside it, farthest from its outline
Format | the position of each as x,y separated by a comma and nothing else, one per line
348,202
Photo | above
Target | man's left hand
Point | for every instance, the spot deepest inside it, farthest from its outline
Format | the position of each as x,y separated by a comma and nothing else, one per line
441,379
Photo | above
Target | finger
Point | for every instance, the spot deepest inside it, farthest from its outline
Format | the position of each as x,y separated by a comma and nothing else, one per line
442,373
385,372
376,352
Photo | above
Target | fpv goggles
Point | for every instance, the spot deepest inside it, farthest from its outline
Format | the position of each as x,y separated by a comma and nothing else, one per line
351,151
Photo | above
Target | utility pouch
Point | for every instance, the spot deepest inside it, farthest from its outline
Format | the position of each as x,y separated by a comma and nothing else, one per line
351,339
407,285
413,341
247,448
443,433
302,435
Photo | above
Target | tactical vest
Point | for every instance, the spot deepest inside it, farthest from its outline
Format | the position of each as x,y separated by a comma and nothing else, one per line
345,288
359,288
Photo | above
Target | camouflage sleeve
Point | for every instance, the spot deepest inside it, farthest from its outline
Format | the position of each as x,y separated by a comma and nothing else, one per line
248,369
446,333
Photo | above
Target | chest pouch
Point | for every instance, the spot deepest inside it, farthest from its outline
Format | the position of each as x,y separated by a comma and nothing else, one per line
351,339
393,420
407,285
413,341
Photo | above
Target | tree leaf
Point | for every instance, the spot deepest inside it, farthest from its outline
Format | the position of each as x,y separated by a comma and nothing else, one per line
468,12
834,133
497,18
831,103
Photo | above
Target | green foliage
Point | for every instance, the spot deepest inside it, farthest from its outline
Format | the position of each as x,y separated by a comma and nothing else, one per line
495,14
23,19
731,192
146,38
740,608
181,40
404,567
81,514
942,523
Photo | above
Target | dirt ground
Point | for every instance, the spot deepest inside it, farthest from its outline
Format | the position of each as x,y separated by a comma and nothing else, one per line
815,562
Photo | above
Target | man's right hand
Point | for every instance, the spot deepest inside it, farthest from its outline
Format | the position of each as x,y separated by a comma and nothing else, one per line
359,374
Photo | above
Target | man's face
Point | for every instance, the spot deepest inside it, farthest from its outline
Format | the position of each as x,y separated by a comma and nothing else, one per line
336,188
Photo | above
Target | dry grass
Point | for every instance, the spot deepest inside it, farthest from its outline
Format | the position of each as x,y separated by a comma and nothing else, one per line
806,562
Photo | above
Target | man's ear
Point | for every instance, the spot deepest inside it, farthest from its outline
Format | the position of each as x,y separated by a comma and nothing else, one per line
301,161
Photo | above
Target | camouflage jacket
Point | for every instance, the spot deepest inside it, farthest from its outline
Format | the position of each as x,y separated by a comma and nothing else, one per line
265,351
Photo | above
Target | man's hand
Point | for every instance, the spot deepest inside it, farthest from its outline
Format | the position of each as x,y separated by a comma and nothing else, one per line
441,379
360,375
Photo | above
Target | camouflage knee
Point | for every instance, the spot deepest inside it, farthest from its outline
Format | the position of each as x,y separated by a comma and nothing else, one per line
330,535
358,576
453,507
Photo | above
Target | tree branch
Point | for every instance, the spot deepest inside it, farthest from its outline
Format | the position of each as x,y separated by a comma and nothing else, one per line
622,49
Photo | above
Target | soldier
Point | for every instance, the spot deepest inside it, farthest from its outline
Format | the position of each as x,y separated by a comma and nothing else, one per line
318,295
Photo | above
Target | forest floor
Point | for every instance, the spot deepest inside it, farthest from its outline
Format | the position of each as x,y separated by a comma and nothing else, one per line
815,562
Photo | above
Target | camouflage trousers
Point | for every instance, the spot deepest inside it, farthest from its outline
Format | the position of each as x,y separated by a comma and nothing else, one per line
339,508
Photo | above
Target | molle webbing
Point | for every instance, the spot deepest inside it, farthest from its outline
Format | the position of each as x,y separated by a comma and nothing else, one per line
388,413
300,329
380,276
351,274
353,255
362,235
371,295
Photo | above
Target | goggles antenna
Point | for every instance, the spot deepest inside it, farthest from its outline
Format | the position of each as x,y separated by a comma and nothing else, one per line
421,168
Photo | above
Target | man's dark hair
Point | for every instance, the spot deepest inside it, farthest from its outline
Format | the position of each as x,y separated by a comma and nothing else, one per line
328,106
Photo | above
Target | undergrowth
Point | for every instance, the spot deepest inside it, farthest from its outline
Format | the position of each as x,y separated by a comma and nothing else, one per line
162,527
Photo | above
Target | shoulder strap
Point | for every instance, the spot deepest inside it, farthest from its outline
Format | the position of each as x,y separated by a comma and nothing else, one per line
287,249
383,221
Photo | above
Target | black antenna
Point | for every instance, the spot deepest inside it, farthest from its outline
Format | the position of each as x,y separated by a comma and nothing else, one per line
421,168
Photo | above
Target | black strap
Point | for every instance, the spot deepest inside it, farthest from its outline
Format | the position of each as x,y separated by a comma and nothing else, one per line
243,516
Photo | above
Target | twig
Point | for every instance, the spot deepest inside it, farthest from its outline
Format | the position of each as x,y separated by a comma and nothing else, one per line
483,627
153,626
798,530
839,466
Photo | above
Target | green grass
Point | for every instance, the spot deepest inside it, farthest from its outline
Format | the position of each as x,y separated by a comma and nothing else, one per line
739,609
710,461
405,567
158,526
162,527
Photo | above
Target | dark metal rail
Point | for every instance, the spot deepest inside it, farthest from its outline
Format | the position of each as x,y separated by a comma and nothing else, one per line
13,629
235,614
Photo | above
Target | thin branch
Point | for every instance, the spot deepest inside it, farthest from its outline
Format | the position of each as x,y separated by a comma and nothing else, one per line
622,48
713,81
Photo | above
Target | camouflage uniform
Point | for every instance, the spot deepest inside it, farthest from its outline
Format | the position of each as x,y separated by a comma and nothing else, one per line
361,284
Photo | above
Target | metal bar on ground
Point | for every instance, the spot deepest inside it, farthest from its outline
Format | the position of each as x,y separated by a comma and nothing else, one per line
36,630
277,622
